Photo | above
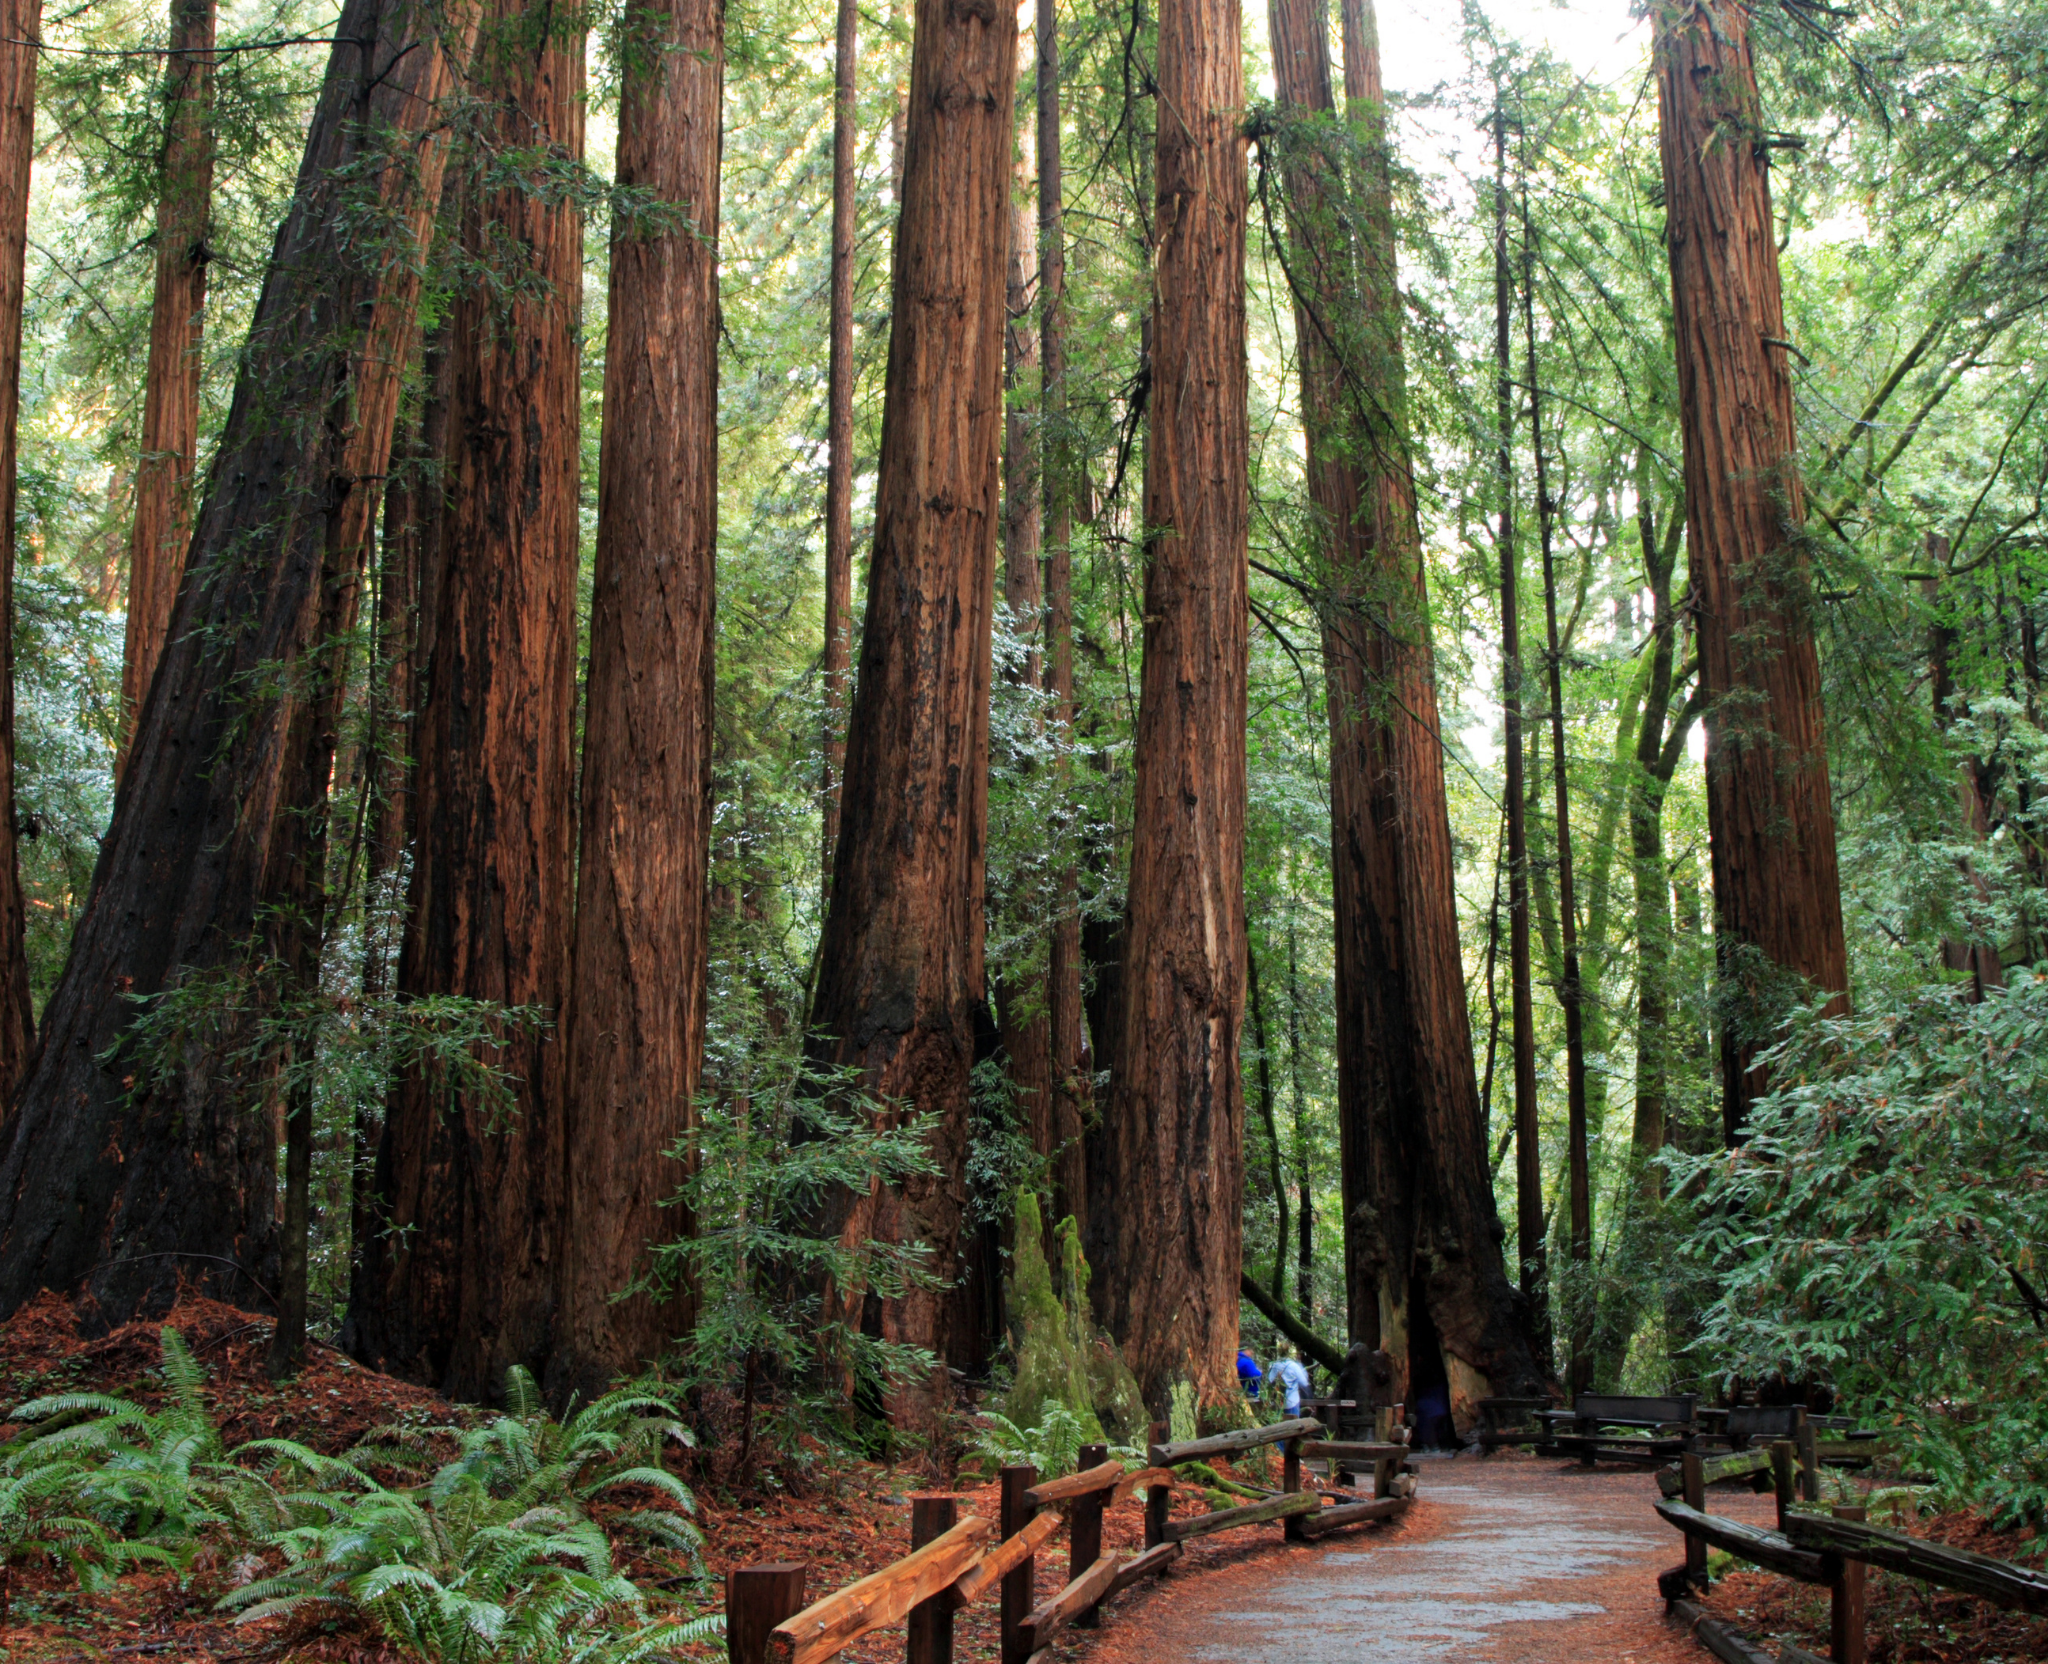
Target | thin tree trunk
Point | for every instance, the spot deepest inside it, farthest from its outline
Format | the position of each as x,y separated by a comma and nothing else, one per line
1024,1006
839,424
132,1194
1255,1007
636,1011
1418,1206
900,961
21,22
1568,990
1533,1266
1072,1086
1304,1199
1777,892
462,1282
1173,1128
164,475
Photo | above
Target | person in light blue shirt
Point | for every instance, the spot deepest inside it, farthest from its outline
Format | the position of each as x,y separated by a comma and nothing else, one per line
1286,1373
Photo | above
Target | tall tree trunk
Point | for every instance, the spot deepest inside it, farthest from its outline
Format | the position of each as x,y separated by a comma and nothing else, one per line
900,961
1173,1127
636,1011
1777,892
1304,1192
1025,1009
1255,1007
461,1282
1569,994
1071,1065
1418,1204
128,1194
1532,1263
839,424
21,22
170,399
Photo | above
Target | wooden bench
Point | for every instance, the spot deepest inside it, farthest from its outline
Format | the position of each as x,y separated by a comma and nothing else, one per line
1505,1421
1670,1424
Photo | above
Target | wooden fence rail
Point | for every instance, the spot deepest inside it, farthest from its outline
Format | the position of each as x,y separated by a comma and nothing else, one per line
954,1560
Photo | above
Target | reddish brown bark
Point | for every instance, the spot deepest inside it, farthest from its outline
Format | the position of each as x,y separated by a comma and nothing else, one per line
1419,1219
170,399
20,21
128,1195
1777,891
461,1282
636,1024
1070,1062
900,962
1173,1129
838,654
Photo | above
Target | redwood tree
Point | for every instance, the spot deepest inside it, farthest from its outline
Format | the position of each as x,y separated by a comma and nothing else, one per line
129,1182
1419,1219
839,424
636,1012
170,399
900,960
1170,1247
1071,1083
461,1279
21,21
1777,893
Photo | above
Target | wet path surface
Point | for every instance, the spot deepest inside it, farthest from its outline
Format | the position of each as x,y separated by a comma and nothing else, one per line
1504,1562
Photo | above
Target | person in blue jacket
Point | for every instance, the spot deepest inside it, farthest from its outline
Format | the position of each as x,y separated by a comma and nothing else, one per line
1249,1375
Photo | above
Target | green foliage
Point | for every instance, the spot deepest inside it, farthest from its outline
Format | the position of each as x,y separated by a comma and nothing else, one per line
1051,1445
498,1555
1884,1227
1064,1362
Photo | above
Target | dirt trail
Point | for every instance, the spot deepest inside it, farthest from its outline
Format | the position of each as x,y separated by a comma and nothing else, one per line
1508,1561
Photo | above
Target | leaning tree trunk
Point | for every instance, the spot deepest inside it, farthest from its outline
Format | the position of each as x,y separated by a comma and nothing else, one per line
1071,1084
131,1193
900,961
636,1023
1173,1130
1419,1218
170,399
460,1281
839,427
1777,892
21,22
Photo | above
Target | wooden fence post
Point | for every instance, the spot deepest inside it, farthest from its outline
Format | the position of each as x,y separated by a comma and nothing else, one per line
1693,1471
1158,1498
1385,1468
1846,1634
1084,1530
757,1598
1809,1461
930,1639
1784,1456
1290,1482
1017,1585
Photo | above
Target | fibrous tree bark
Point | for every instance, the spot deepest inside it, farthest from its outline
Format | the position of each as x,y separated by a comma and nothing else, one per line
1172,1131
1532,1263
21,23
1570,993
900,960
1071,1086
129,1191
838,655
1419,1220
459,1281
170,399
636,1012
1777,891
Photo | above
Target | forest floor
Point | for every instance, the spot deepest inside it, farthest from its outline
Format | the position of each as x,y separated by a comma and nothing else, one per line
1505,1561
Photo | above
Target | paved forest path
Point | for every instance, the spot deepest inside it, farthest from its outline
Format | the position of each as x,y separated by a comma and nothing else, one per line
1505,1561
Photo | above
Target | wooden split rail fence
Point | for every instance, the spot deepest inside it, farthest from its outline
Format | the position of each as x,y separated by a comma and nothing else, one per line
955,1559
1832,1549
